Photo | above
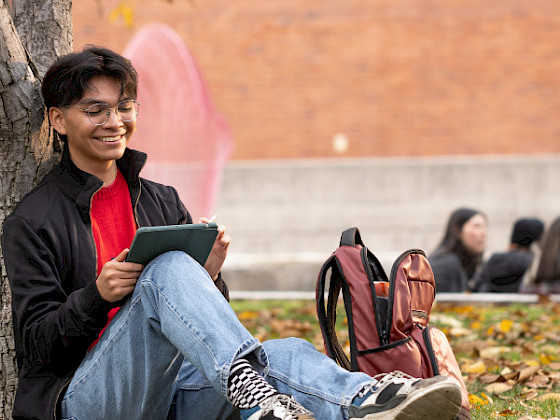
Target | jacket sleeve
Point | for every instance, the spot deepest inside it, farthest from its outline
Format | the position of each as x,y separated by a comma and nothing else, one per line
52,325
187,218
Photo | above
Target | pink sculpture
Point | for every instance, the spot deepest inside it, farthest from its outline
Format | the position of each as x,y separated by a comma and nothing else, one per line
187,141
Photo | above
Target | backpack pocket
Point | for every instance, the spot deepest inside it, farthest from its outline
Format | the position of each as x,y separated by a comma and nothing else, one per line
403,355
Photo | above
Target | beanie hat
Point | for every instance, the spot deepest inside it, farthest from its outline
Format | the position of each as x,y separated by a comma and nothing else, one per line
526,231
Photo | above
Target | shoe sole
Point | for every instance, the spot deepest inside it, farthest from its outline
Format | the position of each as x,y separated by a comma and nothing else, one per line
441,401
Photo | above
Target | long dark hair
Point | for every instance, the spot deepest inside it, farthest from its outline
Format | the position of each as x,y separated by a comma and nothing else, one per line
549,265
451,241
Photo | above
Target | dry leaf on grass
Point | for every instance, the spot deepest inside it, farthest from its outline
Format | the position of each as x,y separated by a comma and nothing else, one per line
538,381
549,396
493,352
527,372
488,378
498,388
477,367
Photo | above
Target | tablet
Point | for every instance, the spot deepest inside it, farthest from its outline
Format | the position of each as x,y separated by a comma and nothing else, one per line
194,239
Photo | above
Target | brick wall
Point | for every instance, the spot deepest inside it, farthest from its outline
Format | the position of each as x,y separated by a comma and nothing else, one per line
371,77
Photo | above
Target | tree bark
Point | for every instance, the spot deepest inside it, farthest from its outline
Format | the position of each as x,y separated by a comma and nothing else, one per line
33,34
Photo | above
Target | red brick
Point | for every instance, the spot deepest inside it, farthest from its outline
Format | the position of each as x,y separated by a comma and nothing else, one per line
413,77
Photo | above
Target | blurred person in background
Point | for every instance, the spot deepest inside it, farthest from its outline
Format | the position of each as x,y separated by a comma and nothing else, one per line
504,271
543,277
459,254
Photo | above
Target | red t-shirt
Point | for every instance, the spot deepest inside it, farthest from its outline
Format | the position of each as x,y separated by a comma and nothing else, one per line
113,225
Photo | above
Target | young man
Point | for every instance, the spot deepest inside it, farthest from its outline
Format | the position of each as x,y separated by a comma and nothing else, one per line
98,337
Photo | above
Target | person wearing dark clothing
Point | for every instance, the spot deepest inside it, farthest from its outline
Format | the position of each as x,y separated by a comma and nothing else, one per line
459,254
503,272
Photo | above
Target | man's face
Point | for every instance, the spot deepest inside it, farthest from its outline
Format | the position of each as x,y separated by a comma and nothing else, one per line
94,148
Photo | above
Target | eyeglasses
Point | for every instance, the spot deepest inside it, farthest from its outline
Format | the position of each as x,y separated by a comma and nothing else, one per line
99,113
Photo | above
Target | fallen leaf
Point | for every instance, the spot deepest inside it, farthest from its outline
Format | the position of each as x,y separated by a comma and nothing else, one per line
549,396
487,397
477,367
507,412
488,378
498,388
247,315
545,359
538,381
492,352
527,373
505,325
475,400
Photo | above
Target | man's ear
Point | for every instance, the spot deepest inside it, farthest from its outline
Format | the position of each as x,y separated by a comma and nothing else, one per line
58,122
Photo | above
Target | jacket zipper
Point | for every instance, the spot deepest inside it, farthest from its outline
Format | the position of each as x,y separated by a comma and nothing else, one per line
91,230
59,395
135,210
392,282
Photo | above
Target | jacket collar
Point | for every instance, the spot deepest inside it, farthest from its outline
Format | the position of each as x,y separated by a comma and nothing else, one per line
79,186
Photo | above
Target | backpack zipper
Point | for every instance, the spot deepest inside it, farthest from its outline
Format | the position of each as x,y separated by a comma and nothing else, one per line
381,329
430,349
392,277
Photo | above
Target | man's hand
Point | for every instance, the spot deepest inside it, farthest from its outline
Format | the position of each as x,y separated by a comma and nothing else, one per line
219,251
118,278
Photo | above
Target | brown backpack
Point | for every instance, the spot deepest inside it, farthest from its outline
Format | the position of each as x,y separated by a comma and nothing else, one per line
387,317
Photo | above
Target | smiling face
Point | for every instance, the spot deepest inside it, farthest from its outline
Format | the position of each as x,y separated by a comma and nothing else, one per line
473,234
94,149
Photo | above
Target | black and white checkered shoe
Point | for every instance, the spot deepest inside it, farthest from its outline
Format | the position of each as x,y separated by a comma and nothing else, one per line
277,407
398,396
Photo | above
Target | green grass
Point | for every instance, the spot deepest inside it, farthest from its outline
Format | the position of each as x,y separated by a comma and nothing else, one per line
488,340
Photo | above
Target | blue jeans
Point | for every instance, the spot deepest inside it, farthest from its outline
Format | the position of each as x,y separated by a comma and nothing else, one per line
174,341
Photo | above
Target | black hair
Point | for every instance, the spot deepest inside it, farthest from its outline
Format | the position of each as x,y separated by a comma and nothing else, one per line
68,78
526,231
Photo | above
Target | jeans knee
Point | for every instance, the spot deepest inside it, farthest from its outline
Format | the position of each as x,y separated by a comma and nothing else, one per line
175,266
291,344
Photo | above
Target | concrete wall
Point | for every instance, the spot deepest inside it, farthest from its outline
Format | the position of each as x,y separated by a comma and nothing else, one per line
286,217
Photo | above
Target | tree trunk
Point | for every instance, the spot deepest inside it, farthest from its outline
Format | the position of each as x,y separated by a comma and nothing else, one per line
33,33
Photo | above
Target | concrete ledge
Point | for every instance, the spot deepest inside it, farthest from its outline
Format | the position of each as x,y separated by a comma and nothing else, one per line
294,276
467,298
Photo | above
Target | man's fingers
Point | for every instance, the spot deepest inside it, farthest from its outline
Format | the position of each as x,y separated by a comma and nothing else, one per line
129,275
122,256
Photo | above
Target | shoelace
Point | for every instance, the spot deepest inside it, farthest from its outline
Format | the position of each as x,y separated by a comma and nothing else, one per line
293,409
383,378
394,374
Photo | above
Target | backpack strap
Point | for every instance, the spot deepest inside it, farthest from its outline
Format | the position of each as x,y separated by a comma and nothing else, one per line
335,287
351,237
324,322
327,316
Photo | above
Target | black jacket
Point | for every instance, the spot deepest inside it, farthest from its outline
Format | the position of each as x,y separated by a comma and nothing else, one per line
503,272
51,261
449,274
